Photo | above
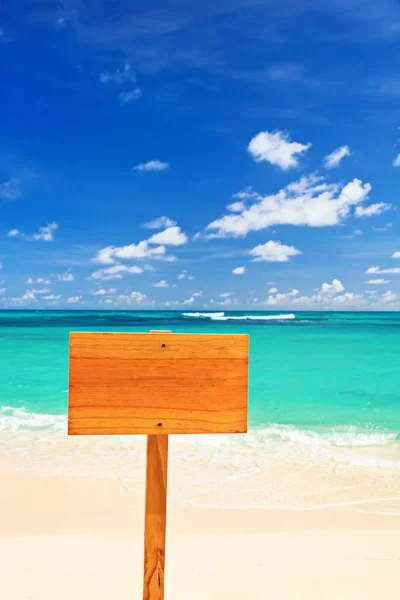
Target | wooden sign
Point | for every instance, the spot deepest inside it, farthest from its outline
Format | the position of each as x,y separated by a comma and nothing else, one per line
157,383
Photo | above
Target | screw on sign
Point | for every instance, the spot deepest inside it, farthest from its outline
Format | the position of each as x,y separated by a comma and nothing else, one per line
156,384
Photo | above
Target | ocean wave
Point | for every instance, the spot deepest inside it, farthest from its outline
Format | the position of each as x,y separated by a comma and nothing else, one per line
350,437
19,419
221,316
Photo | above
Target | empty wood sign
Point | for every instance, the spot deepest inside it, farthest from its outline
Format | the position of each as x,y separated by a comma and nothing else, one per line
126,383
157,383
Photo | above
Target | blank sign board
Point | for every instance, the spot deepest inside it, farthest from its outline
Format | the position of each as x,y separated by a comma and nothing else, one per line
157,383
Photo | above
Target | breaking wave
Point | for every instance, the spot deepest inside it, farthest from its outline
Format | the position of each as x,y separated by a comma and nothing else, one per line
221,316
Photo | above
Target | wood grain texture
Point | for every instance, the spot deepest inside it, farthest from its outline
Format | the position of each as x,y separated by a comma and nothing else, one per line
157,383
155,517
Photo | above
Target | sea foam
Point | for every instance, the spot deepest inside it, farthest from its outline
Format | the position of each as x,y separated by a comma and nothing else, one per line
221,316
19,419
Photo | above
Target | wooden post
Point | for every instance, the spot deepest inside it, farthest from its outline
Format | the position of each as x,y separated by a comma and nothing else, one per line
155,517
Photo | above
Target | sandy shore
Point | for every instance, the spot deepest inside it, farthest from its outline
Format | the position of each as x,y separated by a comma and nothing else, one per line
71,536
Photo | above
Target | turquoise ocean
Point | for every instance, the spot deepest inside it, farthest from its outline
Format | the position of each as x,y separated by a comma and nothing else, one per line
323,385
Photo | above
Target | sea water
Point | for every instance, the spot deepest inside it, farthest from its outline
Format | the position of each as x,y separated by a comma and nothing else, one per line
324,388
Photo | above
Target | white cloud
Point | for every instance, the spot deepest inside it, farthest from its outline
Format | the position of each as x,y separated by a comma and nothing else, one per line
332,288
14,233
247,194
184,275
376,281
189,300
225,294
41,291
151,165
116,272
310,201
334,159
396,162
126,97
173,236
389,296
236,206
119,77
51,297
2,290
159,223
129,299
277,149
110,254
33,281
239,271
161,284
26,298
273,290
396,255
9,190
74,299
372,209
379,271
273,252
45,233
197,294
104,292
67,276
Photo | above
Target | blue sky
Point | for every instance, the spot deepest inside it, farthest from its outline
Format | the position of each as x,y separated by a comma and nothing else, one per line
229,155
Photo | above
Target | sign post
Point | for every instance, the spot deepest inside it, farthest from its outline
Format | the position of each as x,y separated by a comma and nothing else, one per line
155,384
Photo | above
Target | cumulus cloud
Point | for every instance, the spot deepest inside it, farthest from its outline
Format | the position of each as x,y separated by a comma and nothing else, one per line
74,299
161,284
273,290
104,292
159,223
116,272
119,76
372,209
332,288
126,97
389,297
128,299
308,202
334,159
45,233
189,300
151,165
236,206
277,149
110,254
275,298
52,297
33,281
225,294
67,276
172,236
379,271
273,252
239,271
396,255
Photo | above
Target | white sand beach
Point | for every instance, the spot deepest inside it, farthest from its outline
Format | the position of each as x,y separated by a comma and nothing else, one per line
67,535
